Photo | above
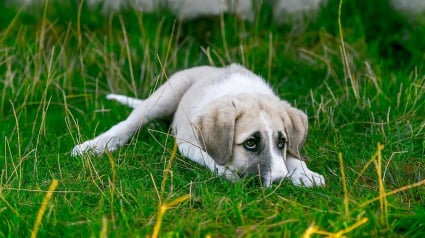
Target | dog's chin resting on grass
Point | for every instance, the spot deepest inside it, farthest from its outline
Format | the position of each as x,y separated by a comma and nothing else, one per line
226,119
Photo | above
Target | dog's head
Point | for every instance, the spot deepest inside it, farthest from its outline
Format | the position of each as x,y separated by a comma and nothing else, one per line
252,135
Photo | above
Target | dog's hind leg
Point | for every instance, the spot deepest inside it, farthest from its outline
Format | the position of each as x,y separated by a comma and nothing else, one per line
162,103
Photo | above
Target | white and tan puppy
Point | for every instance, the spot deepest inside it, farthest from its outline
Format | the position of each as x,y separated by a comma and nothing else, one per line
227,119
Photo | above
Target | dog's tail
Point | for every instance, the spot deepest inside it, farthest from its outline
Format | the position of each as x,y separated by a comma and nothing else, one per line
125,100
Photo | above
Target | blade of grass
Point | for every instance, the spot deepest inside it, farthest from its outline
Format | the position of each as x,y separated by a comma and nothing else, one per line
43,207
128,51
401,189
344,186
163,207
382,198
344,54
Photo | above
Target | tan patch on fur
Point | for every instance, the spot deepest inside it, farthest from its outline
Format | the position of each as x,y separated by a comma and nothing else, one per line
216,129
296,125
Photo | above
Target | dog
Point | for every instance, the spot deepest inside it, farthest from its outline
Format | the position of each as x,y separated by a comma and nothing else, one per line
227,119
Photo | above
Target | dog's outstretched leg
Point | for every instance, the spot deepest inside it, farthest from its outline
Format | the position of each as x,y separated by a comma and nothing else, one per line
162,103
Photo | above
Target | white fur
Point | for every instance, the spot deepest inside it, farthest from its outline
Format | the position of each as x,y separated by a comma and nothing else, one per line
131,102
187,95
278,169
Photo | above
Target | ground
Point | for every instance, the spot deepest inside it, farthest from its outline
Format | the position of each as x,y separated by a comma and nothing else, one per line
364,97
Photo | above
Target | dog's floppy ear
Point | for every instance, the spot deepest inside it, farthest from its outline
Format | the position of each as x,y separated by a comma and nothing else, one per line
296,125
215,129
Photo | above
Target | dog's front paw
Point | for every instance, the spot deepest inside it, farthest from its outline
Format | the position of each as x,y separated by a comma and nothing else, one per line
231,176
307,178
97,146
227,173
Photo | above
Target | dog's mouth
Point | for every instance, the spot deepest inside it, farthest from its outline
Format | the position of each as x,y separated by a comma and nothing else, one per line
259,172
256,180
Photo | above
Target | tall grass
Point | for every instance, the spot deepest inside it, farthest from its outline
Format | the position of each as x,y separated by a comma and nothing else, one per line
366,130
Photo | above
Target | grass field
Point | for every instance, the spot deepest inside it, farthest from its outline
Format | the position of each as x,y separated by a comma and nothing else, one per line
365,100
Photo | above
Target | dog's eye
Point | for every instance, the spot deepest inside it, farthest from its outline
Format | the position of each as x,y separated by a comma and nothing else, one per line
281,143
250,144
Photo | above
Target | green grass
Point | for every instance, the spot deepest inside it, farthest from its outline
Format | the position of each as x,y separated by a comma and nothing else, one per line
56,65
